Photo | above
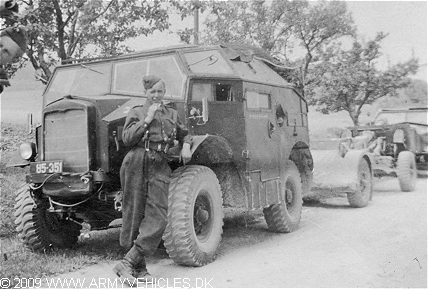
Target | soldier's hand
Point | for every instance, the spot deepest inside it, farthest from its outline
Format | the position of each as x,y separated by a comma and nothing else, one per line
151,112
186,154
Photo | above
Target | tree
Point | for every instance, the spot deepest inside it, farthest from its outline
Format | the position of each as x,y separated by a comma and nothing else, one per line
64,29
318,26
280,28
416,92
348,79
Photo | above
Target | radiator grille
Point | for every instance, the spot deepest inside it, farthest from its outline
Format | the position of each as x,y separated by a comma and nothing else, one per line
66,138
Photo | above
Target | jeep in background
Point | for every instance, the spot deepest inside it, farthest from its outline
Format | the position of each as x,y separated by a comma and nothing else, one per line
250,149
398,143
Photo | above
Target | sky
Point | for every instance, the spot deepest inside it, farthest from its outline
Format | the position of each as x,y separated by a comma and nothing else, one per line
404,21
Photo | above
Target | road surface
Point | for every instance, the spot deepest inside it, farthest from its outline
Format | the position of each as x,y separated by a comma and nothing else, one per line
381,245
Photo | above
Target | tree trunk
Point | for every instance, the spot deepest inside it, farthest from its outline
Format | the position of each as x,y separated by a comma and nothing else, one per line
354,114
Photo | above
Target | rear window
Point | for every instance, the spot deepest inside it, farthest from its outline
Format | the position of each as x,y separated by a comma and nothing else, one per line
256,100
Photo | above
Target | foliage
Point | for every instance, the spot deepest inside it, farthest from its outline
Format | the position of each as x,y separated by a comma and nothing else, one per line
413,95
348,79
282,28
416,92
64,29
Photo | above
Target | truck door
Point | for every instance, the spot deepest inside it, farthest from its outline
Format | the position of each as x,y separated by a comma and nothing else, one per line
226,114
262,139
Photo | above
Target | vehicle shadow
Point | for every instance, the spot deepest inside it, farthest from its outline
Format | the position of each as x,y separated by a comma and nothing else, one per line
327,200
239,231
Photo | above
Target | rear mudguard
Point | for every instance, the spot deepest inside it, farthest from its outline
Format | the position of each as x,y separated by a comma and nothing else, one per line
332,172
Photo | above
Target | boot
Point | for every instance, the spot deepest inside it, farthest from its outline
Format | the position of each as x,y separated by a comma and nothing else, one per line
125,270
141,272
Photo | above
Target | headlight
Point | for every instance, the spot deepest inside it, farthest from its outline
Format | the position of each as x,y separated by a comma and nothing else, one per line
28,150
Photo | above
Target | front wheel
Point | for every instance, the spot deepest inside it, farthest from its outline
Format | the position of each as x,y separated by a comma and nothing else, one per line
39,229
406,171
361,196
285,217
195,216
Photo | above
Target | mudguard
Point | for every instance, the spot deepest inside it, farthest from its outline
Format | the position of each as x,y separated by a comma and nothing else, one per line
17,161
210,149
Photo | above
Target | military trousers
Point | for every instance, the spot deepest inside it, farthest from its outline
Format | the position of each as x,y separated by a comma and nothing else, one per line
145,177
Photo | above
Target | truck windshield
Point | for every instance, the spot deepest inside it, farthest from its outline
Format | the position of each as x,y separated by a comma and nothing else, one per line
81,80
128,75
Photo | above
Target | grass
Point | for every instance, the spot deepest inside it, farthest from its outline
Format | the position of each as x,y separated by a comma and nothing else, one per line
16,260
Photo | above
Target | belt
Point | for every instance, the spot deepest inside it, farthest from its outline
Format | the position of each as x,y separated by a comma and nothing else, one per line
156,146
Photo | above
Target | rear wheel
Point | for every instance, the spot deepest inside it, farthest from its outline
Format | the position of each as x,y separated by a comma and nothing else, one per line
285,217
195,216
360,198
38,228
406,171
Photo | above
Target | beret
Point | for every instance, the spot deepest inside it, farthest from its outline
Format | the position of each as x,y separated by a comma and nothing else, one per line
150,80
18,35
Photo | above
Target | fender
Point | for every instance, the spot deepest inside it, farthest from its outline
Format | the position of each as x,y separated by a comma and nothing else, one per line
211,149
17,161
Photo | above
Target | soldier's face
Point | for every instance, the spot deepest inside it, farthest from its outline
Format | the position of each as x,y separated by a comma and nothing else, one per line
9,50
156,93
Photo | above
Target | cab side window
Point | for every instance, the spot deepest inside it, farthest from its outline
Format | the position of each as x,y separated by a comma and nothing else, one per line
212,91
202,90
223,92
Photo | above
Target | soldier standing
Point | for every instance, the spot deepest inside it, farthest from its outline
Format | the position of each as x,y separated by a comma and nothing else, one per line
145,174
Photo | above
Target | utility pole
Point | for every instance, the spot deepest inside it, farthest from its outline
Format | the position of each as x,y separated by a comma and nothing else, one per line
196,22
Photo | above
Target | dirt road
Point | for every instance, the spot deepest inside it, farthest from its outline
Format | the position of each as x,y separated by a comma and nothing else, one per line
382,245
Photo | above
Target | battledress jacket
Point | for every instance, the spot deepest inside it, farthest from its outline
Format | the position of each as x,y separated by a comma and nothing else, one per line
141,176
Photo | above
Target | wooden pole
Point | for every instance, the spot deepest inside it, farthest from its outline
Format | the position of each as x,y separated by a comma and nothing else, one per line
196,23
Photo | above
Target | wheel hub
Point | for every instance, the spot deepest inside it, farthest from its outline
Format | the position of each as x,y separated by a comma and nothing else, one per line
202,215
289,196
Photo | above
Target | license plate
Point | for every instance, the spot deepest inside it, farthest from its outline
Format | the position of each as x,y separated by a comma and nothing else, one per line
48,167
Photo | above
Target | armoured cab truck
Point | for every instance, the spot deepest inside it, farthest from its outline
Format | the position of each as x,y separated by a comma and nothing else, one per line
250,147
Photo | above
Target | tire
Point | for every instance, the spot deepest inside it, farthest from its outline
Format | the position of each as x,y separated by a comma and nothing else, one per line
285,217
360,198
39,229
406,171
195,216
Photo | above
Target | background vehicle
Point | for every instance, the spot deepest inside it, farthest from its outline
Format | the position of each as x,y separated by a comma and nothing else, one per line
398,143
250,151
339,169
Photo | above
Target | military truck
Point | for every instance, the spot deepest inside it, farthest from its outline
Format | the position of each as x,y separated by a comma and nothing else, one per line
250,149
397,140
